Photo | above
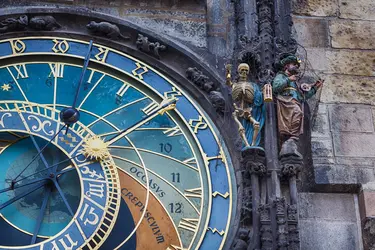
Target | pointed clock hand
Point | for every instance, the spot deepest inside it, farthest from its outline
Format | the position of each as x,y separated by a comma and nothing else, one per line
39,153
14,186
41,213
71,115
16,198
165,105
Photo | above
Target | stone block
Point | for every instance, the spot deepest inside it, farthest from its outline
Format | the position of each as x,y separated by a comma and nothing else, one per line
366,204
311,32
314,206
352,34
351,118
315,7
321,126
321,147
348,89
343,174
350,62
359,9
354,144
328,235
317,57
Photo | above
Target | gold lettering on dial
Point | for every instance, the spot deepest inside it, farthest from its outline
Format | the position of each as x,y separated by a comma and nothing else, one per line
57,70
21,71
188,224
216,193
150,108
197,124
139,70
96,190
121,92
214,230
66,246
60,46
175,131
172,94
194,193
102,55
17,46
94,216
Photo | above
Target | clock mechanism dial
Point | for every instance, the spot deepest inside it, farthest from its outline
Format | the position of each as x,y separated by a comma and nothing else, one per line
143,168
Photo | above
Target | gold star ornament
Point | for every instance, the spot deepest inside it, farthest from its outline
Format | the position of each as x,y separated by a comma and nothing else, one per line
95,148
6,87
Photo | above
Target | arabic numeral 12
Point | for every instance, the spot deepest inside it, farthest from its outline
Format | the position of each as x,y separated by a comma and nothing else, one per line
175,207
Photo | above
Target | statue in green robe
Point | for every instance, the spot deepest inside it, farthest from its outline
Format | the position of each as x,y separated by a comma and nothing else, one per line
290,96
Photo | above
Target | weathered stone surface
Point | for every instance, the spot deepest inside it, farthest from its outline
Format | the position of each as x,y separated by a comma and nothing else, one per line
352,34
314,206
343,174
354,144
348,89
317,57
352,118
359,9
321,147
324,235
366,204
315,7
311,32
351,62
355,161
321,126
369,234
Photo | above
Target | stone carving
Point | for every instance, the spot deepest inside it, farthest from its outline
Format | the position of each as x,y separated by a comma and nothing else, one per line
290,96
14,24
265,229
369,233
293,227
145,45
213,90
105,29
248,104
44,23
241,243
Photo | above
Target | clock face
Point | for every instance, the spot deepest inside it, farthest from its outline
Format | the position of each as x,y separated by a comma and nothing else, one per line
143,168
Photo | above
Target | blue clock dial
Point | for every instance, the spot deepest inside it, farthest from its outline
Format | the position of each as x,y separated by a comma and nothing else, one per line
134,174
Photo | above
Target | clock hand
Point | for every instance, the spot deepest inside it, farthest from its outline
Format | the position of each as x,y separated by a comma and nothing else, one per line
41,213
63,196
40,152
16,198
71,115
52,166
165,105
13,186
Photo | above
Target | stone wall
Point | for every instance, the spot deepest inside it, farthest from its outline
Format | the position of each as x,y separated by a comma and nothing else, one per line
339,37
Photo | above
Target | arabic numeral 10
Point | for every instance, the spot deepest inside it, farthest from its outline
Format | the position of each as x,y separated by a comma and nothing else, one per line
175,177
165,147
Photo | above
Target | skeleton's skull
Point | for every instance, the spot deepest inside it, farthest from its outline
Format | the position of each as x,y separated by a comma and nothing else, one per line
243,70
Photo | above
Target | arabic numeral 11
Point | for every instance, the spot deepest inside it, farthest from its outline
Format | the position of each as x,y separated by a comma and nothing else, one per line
175,177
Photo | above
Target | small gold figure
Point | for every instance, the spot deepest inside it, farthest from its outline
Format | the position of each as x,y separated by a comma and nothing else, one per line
246,95
95,148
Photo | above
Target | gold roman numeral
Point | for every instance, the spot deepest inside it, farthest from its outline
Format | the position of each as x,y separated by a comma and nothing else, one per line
150,108
21,71
175,131
189,224
194,193
57,70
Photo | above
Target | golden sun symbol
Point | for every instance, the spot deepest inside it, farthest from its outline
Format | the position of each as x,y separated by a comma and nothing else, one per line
95,148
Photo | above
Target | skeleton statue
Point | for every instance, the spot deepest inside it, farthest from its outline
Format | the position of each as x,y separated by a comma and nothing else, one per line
248,106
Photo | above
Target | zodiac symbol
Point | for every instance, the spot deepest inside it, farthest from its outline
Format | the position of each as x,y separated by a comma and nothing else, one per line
2,118
92,174
67,142
41,125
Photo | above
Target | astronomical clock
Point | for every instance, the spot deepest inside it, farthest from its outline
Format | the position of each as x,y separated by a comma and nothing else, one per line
100,150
